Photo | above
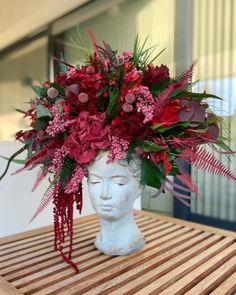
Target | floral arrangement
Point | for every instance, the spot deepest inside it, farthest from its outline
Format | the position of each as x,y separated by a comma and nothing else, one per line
124,104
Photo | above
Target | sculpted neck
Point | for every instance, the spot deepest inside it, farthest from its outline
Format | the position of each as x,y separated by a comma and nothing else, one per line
119,237
117,226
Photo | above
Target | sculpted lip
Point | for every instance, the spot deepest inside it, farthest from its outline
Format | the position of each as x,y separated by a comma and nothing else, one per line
106,207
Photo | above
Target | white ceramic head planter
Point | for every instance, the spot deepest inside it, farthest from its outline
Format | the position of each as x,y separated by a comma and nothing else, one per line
113,187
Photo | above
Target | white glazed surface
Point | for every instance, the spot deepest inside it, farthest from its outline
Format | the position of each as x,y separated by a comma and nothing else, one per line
113,188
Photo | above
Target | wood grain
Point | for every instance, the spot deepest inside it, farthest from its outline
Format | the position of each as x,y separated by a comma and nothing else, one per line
179,258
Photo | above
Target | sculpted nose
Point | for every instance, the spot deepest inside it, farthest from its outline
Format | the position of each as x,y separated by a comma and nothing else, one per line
105,195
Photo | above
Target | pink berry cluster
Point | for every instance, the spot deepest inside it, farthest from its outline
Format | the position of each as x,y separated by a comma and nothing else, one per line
55,125
71,72
57,159
119,148
145,103
73,185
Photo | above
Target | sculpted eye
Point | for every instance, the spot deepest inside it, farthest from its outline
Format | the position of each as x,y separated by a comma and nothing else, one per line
94,182
121,184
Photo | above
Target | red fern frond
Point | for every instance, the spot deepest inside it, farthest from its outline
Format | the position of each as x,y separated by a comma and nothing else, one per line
187,187
38,157
186,179
188,155
184,142
39,178
181,197
48,196
95,46
186,77
45,153
202,159
162,99
160,190
208,162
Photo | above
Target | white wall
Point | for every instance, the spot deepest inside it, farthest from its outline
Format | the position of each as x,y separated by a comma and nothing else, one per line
18,204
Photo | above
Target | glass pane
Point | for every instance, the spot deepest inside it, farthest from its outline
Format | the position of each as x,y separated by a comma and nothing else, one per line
214,48
19,69
118,24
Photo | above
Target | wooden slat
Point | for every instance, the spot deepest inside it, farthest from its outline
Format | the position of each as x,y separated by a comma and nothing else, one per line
80,258
8,289
48,253
107,273
46,241
39,231
179,258
215,278
165,252
85,265
38,264
213,267
227,287
159,279
160,237
49,236
182,222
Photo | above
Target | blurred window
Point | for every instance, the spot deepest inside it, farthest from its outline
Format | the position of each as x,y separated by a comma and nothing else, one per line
19,70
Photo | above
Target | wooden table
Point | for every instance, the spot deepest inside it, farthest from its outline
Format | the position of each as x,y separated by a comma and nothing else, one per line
179,258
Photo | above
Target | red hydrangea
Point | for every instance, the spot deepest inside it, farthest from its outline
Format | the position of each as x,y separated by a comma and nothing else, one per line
87,135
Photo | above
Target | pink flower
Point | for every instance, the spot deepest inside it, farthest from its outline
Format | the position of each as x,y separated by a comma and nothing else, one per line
87,135
127,108
83,97
52,92
72,90
127,55
130,97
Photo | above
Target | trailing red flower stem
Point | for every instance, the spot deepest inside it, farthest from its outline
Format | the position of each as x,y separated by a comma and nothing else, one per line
63,215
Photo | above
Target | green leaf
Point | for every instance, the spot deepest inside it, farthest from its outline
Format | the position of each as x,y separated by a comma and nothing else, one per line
159,87
17,161
20,111
223,145
62,66
11,159
174,170
39,91
43,112
156,127
198,95
223,138
59,88
130,151
150,146
113,106
151,175
41,123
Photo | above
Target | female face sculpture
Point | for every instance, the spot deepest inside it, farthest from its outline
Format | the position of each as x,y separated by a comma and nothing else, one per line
113,187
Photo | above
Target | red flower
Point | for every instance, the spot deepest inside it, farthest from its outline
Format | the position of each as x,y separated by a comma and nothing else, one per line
154,74
88,135
162,157
133,77
169,115
128,126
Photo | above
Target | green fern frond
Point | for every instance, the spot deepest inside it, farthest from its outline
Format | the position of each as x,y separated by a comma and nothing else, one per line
66,171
